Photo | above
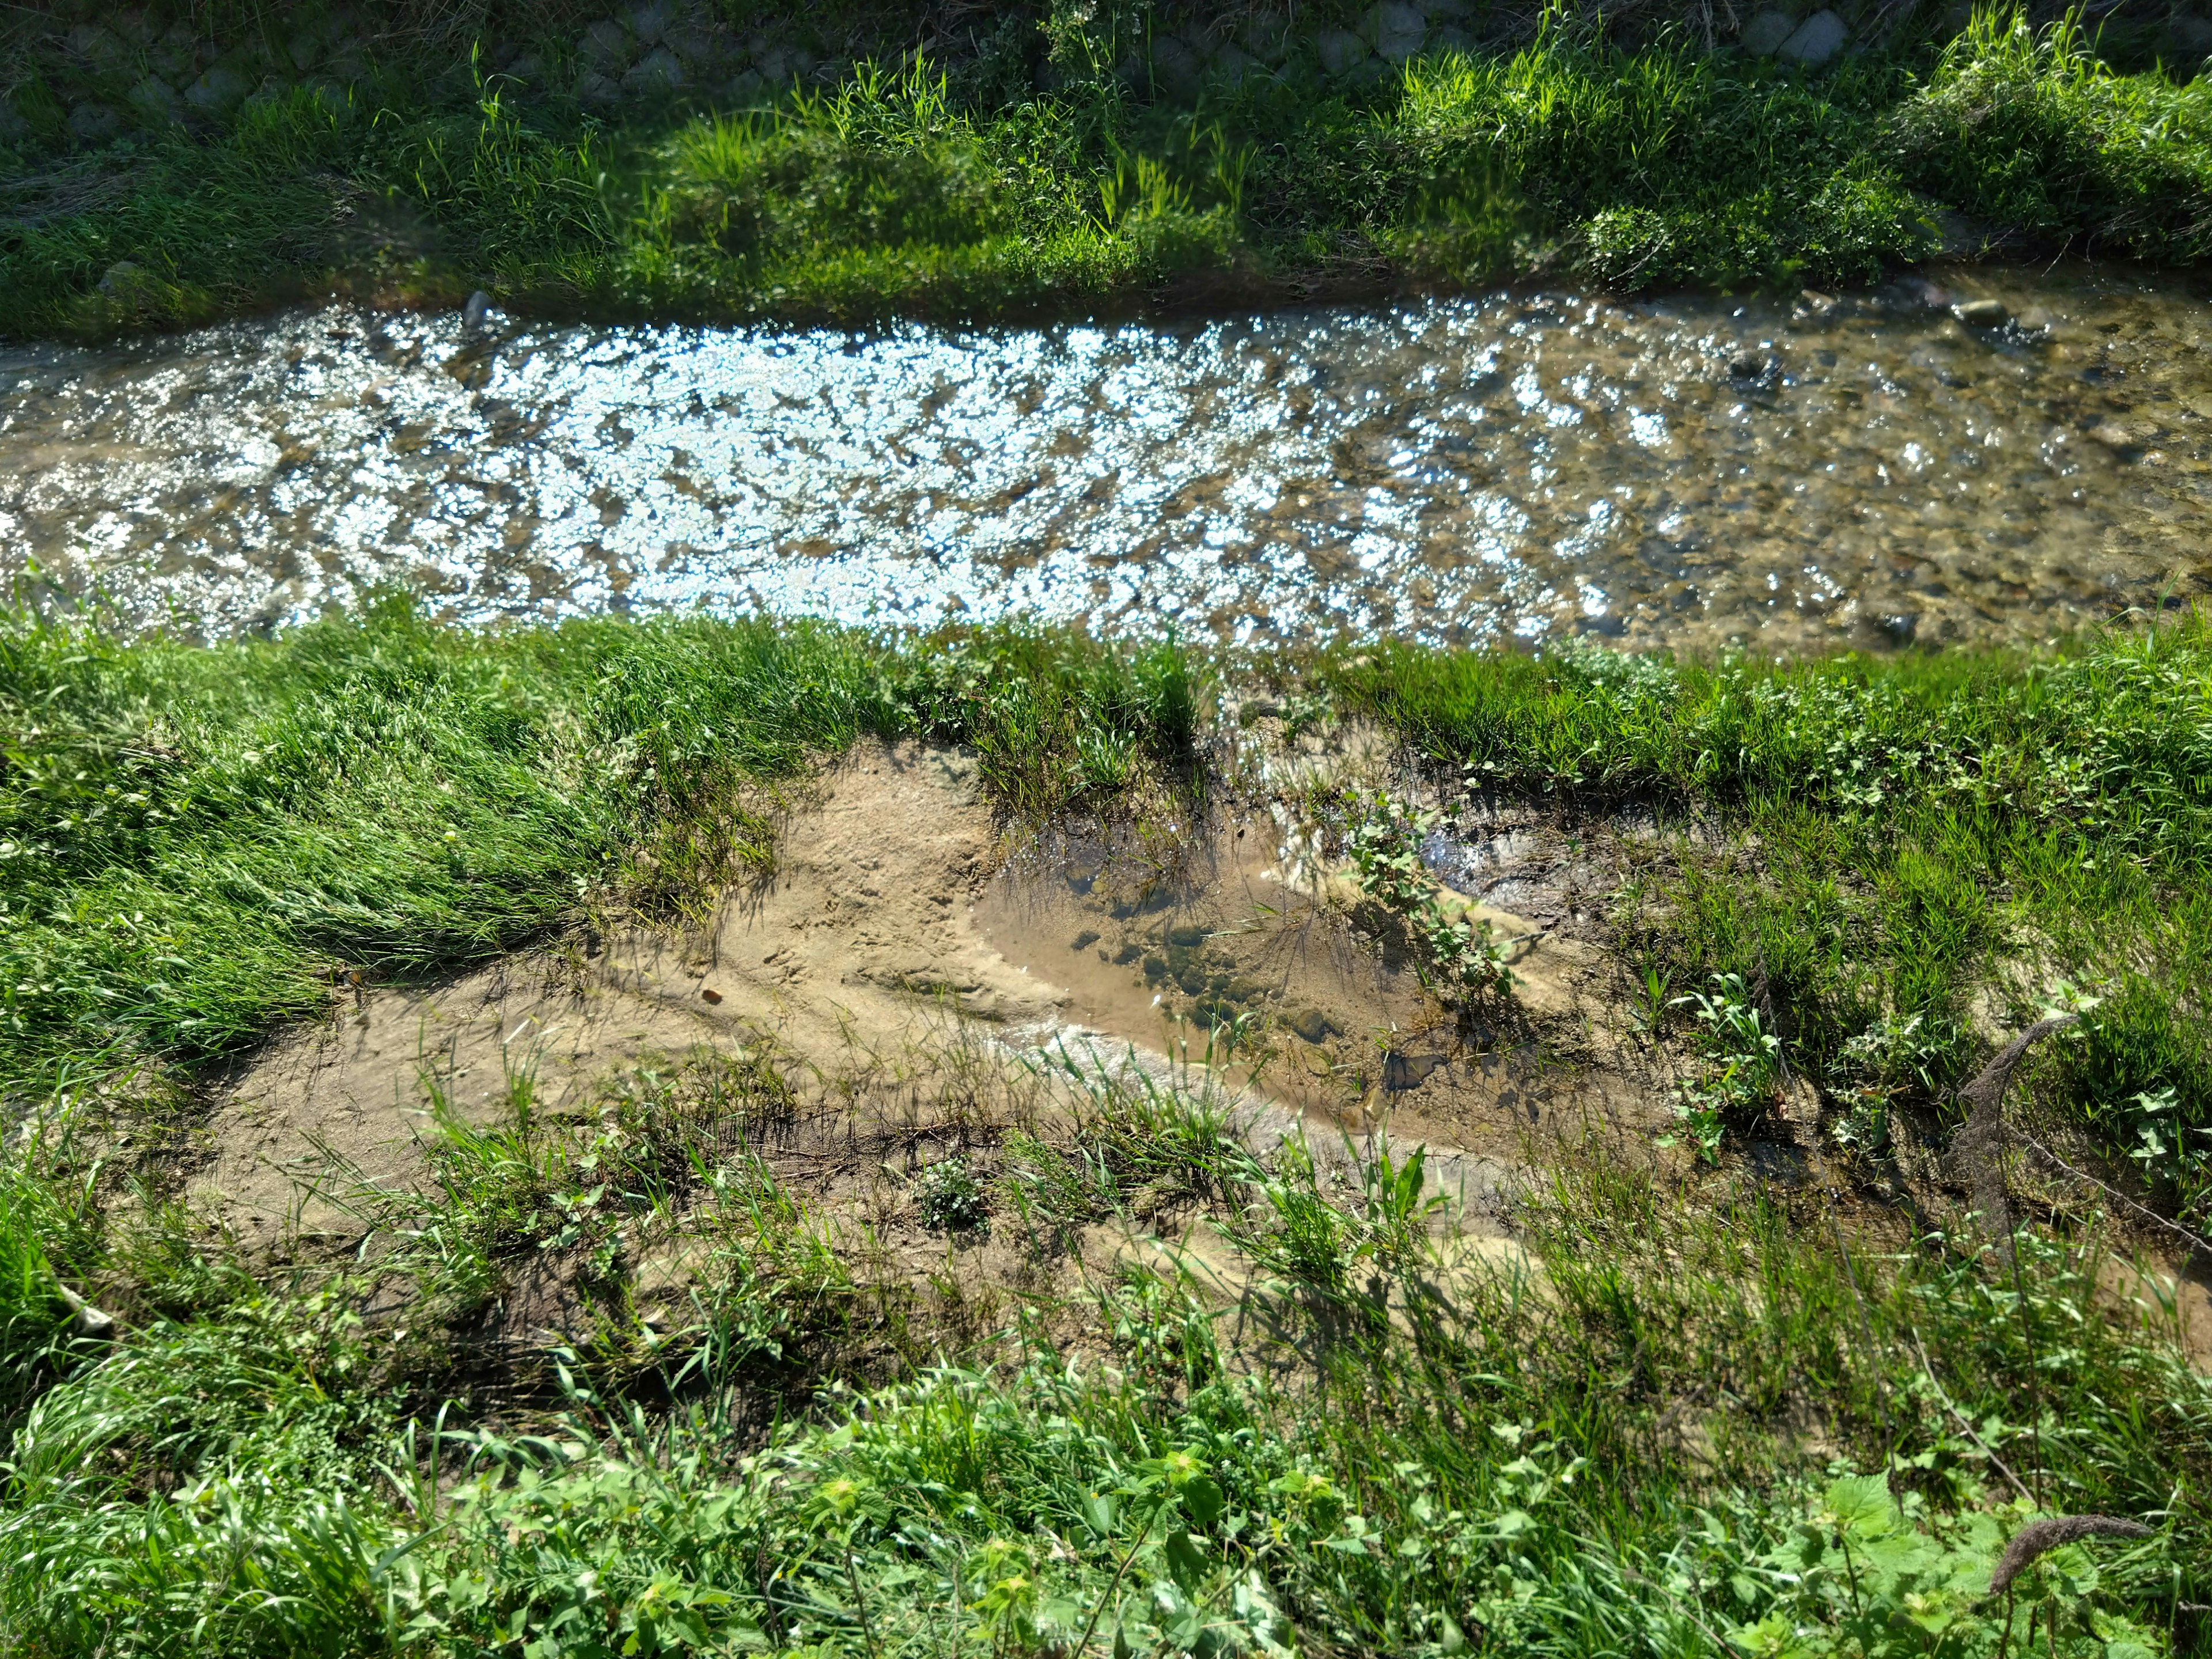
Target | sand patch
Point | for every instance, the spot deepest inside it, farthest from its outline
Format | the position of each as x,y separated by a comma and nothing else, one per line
892,919
852,957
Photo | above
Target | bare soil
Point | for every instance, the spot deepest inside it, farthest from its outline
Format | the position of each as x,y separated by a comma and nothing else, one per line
918,980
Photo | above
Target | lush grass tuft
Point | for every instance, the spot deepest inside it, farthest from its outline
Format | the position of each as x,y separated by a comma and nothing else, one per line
1647,1444
194,840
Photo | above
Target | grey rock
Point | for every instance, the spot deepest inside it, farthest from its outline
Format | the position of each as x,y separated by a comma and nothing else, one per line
661,71
95,124
305,49
1983,313
474,313
697,43
1177,70
221,88
85,42
1762,37
529,68
745,87
1339,50
593,88
607,46
1450,39
1747,366
87,1320
1818,38
1233,62
1397,30
1270,40
650,22
155,101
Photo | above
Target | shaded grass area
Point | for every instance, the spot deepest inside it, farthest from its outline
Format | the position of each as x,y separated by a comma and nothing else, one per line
1651,1445
904,192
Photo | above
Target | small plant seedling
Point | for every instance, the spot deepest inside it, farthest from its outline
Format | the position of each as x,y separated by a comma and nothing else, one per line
1385,848
1744,1068
950,1199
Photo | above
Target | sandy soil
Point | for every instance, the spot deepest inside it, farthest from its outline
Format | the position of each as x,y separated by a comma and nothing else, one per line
912,978
893,920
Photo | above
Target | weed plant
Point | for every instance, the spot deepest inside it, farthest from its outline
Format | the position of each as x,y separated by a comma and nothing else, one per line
1875,851
903,190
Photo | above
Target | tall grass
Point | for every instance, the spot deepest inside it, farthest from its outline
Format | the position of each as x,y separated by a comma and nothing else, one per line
2035,134
904,190
34,1320
1645,1442
195,840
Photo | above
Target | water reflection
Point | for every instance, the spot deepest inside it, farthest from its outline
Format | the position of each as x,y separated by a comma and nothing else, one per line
1684,472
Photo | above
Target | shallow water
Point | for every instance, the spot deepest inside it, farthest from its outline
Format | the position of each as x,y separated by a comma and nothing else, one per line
1454,470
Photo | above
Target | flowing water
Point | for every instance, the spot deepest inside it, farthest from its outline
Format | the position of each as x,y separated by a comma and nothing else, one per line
1693,472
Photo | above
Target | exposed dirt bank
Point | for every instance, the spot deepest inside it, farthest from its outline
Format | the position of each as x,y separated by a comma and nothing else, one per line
931,994
897,941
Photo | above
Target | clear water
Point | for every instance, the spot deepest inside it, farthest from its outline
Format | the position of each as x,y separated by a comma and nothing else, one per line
1460,469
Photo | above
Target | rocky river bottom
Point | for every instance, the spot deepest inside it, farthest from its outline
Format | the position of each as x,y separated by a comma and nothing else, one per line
1982,456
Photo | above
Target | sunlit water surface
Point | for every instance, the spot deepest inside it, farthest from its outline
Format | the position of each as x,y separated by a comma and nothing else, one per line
1458,470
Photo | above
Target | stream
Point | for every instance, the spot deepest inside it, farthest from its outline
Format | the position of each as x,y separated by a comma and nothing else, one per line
1784,475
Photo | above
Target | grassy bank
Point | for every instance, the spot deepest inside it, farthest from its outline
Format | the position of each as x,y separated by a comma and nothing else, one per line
1902,855
1895,852
1699,1416
906,191
1702,1427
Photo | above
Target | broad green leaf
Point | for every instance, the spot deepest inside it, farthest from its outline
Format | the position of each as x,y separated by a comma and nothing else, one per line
1202,1498
1860,1504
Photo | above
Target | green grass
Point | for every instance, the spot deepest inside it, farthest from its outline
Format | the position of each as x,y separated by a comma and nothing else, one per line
196,842
1650,1450
909,192
1895,838
1655,1447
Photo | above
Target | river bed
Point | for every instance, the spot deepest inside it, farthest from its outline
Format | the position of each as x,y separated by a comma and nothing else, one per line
1782,475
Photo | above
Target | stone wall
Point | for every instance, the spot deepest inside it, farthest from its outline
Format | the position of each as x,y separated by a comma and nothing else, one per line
113,70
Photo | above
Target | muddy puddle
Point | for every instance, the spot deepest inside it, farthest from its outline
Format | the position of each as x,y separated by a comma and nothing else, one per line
1864,470
1224,953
